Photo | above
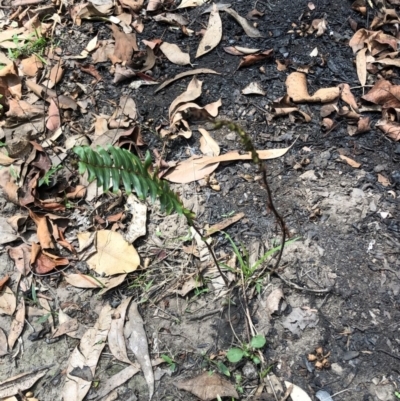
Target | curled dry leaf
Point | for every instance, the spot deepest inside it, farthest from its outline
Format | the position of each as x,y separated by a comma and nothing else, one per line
208,386
213,33
54,119
208,146
21,256
240,51
255,58
350,162
348,97
191,3
247,27
296,84
363,125
198,167
384,94
186,74
171,18
175,54
297,393
389,128
116,339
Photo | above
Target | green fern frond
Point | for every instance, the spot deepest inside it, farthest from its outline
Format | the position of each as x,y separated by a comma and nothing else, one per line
115,166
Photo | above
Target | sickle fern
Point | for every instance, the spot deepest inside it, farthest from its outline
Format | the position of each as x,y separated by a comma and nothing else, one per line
115,166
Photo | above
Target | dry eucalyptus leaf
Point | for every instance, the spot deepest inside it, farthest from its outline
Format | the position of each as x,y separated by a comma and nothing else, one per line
297,393
213,33
247,27
191,3
350,162
175,54
361,65
136,336
17,324
8,301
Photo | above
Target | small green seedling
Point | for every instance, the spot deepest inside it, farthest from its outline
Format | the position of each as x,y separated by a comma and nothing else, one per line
35,44
244,260
171,363
46,178
236,354
397,394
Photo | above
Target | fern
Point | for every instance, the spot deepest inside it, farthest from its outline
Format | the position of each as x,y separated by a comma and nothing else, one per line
115,166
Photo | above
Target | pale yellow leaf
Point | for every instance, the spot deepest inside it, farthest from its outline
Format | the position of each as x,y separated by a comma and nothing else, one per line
174,54
114,254
207,144
361,65
213,33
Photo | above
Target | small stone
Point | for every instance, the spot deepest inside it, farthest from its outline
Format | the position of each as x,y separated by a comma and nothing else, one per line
349,355
343,184
372,206
309,175
379,168
337,369
249,371
396,177
357,193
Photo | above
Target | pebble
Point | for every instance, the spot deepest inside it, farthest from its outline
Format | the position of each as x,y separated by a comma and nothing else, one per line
379,168
349,355
249,371
337,369
309,175
396,177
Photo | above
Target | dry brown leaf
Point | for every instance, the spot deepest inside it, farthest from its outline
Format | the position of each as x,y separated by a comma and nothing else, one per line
360,6
31,65
247,27
193,92
128,107
327,124
116,339
171,18
363,125
43,232
253,88
384,94
5,160
153,5
112,282
54,119
223,224
134,5
8,301
191,3
45,262
175,54
3,281
86,355
10,81
361,65
56,72
208,146
17,324
347,96
17,384
350,162
390,128
21,256
7,233
125,44
240,51
47,94
197,167
208,386
136,337
84,281
383,180
114,254
213,33
186,74
255,58
296,84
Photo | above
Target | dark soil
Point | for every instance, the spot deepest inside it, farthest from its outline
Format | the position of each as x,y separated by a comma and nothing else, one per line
350,247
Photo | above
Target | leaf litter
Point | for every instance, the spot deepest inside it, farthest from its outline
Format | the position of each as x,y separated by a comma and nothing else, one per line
111,252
